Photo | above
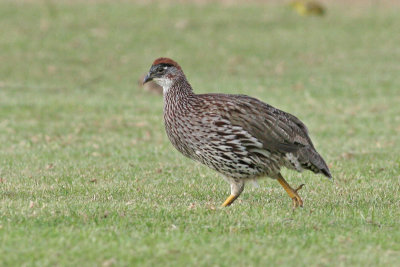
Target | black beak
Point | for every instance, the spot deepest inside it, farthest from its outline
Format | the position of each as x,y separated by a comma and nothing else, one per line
148,78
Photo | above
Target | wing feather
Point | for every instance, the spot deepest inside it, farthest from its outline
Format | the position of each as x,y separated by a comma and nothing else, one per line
277,130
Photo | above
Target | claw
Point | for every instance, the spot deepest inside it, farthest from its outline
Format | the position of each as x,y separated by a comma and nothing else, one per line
297,201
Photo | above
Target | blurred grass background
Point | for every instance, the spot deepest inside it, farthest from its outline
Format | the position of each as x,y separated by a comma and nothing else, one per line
88,177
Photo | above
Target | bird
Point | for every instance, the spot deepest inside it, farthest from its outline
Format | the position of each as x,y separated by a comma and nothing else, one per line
239,136
308,8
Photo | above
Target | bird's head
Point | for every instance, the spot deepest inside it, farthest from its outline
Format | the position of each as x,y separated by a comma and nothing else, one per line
164,72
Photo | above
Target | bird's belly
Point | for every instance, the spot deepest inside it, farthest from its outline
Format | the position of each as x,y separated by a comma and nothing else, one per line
228,163
228,154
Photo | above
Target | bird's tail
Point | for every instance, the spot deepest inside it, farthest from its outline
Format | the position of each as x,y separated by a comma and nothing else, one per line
311,160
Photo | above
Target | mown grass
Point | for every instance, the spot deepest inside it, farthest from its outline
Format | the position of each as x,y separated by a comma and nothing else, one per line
88,176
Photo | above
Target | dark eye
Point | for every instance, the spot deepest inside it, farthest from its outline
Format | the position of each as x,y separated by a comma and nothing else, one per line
160,70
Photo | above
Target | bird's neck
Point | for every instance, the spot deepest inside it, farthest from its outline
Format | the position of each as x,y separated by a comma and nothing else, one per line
177,97
177,91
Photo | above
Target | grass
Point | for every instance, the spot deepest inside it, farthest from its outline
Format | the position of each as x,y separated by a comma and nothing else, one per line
89,178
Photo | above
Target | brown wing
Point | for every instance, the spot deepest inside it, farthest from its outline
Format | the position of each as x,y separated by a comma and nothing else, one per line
277,130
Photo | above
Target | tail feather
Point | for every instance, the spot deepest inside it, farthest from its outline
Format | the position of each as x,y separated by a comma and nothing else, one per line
312,160
326,172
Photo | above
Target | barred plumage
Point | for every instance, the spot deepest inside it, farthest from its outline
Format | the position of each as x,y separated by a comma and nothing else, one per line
236,135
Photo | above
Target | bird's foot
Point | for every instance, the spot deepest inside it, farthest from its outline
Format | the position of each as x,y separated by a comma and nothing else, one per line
297,201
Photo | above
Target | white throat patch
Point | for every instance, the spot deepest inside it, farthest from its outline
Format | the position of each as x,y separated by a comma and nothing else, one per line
165,83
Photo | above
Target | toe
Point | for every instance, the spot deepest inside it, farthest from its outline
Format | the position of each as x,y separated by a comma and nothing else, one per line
298,188
297,202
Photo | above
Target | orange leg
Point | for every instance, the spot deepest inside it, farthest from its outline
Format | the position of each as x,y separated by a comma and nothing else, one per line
237,187
229,200
291,192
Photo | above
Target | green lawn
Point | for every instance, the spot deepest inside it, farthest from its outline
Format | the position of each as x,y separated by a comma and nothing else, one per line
88,176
